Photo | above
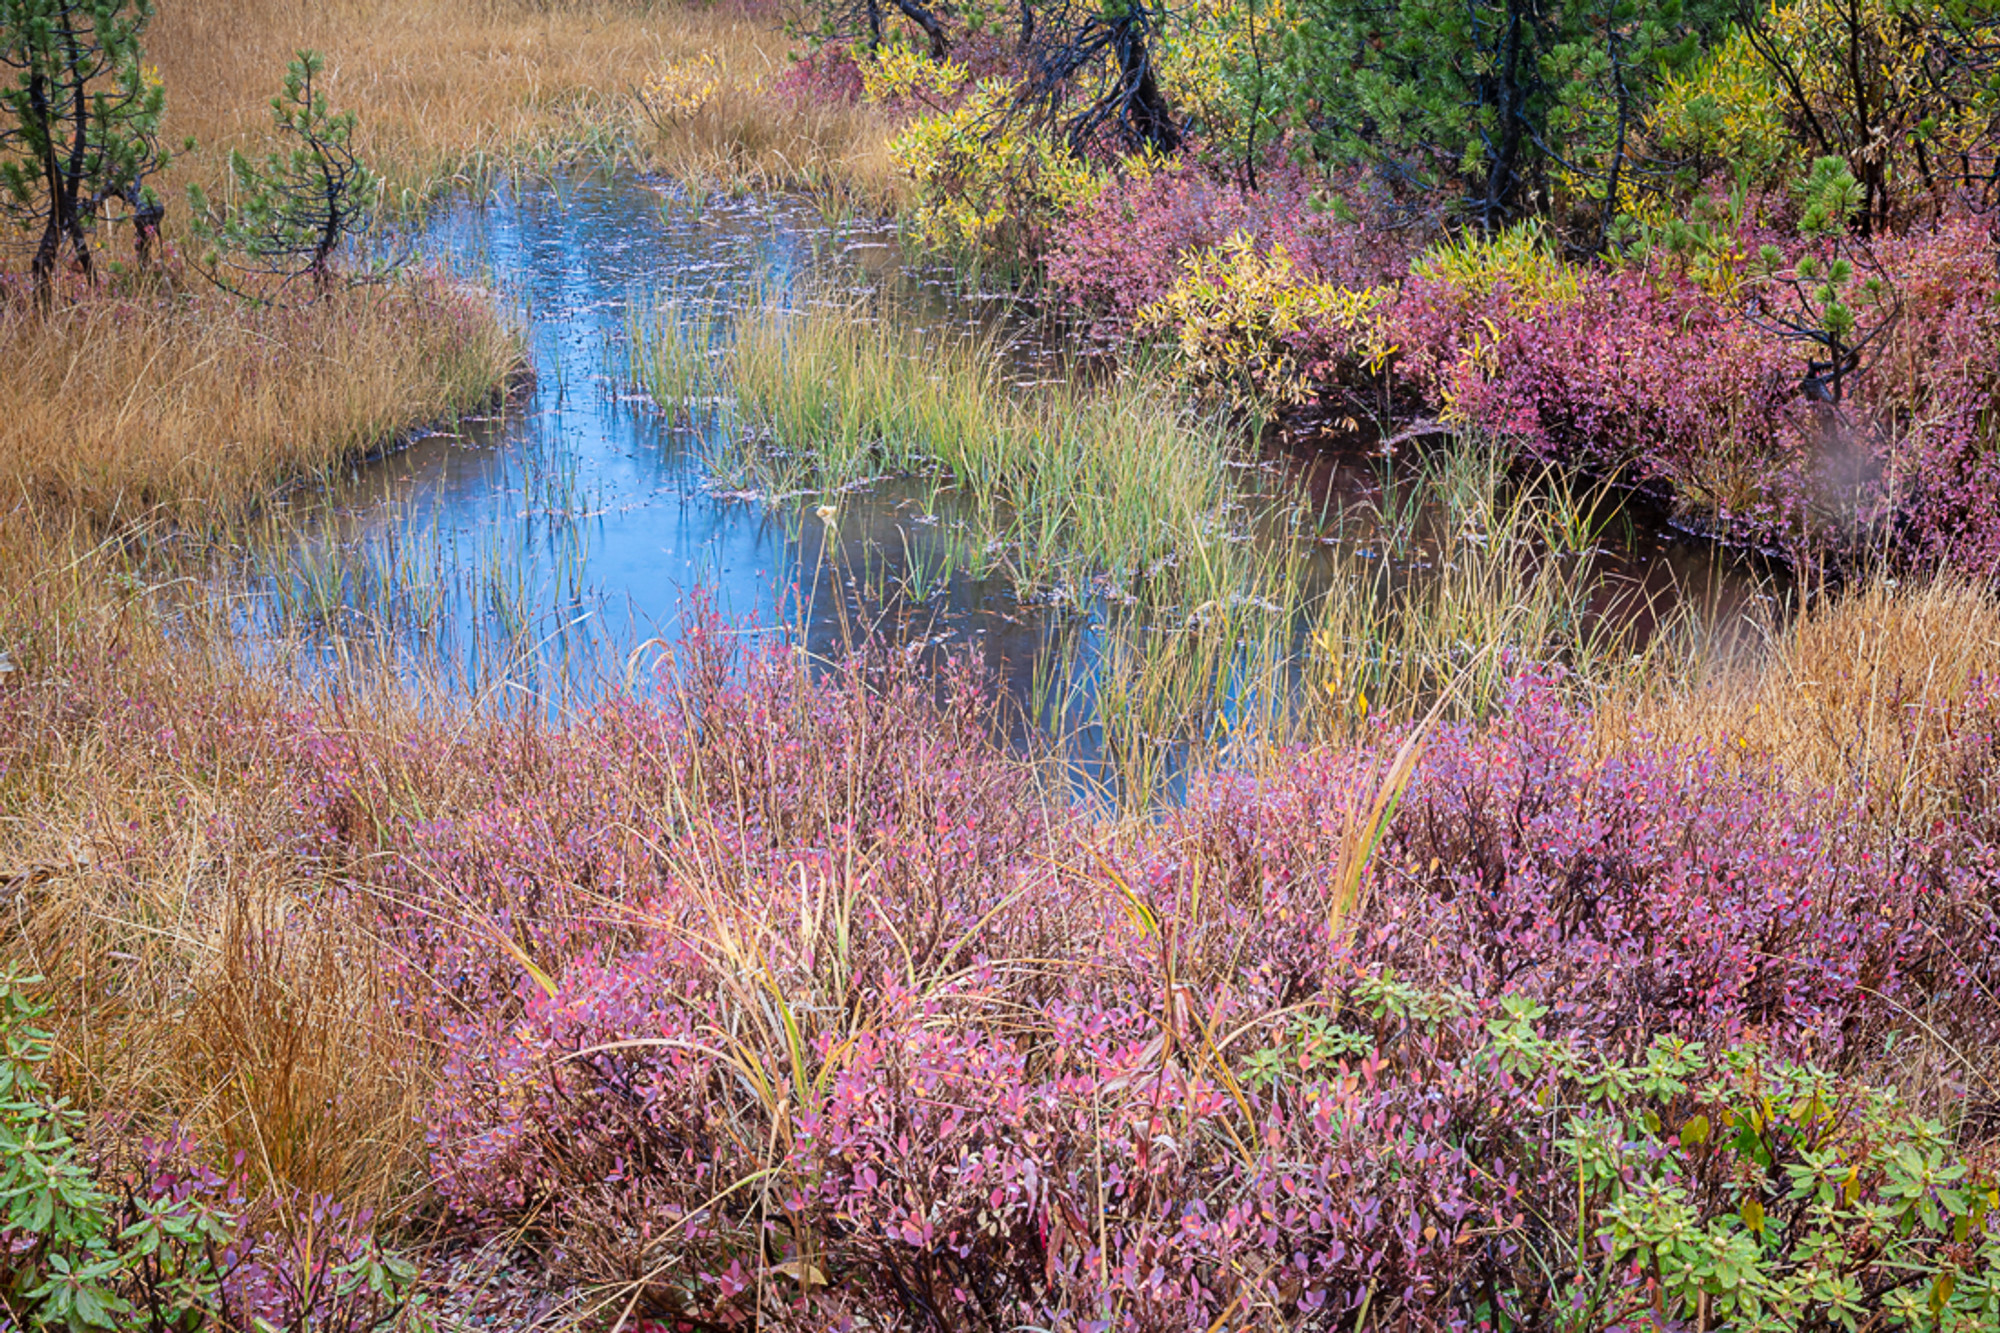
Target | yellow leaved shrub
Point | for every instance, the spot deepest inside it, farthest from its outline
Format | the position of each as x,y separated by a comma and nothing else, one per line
1251,327
679,89
987,181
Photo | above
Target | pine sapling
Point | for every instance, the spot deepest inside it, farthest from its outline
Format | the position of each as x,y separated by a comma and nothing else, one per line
79,122
293,211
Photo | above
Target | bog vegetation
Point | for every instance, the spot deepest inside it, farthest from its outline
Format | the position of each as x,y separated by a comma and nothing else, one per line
1448,954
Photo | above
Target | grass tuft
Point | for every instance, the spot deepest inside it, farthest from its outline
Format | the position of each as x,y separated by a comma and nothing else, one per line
190,406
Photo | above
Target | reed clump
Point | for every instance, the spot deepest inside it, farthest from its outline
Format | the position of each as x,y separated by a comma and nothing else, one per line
1879,692
1119,478
187,405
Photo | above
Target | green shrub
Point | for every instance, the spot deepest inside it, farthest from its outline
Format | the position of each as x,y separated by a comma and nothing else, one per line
74,1255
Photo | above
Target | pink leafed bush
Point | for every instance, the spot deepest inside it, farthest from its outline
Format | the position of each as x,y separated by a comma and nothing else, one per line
863,1028
1655,892
198,1247
765,997
1666,382
1126,248
1932,396
827,76
1644,374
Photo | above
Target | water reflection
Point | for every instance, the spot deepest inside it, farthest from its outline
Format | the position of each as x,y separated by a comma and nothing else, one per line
543,543
579,518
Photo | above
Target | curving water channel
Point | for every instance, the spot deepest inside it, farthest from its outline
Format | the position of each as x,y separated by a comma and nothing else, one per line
541,545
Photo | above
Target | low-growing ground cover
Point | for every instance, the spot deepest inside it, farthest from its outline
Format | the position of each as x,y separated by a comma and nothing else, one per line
755,993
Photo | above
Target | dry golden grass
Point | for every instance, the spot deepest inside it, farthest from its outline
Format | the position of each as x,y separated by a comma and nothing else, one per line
1867,692
744,140
187,406
182,1007
147,888
207,976
468,93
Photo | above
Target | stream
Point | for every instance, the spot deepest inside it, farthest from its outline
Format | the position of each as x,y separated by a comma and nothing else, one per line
542,544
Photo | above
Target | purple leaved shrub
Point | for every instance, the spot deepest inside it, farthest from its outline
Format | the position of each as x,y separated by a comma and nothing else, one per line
189,1246
861,1031
1127,246
827,75
765,997
1658,891
1931,400
1646,376
1663,381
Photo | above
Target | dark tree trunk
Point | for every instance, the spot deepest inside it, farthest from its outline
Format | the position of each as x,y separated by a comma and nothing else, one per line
328,241
1256,104
334,222
1146,109
62,173
1610,213
1503,158
1868,162
72,199
928,21
44,265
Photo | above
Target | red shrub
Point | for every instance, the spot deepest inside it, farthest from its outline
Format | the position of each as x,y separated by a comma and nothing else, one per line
828,75
1932,397
1651,376
1035,1074
1127,247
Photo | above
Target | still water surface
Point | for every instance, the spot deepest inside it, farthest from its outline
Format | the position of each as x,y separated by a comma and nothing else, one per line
542,544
